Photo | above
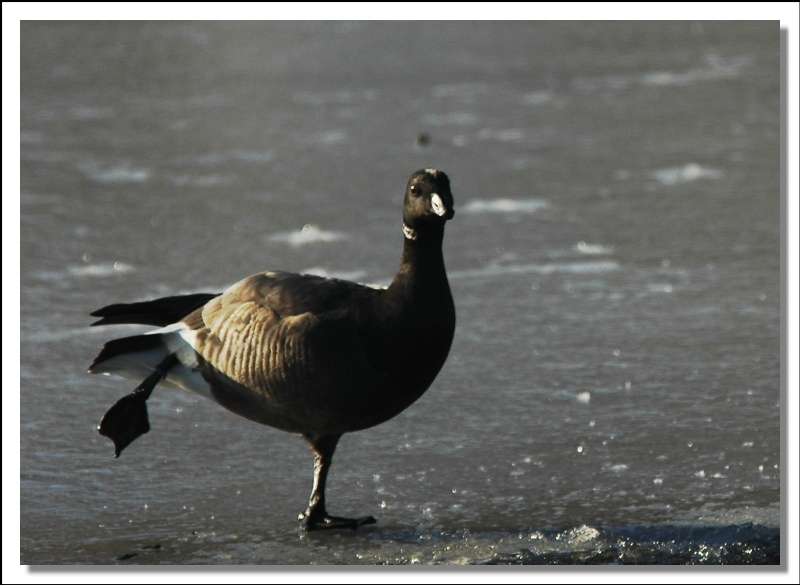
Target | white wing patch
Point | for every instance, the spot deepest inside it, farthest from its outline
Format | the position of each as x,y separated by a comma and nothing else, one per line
168,329
177,339
182,342
188,335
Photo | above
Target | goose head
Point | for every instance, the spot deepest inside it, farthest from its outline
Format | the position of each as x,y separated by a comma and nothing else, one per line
428,202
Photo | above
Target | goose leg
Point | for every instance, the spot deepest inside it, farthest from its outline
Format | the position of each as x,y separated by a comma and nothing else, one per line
127,420
316,517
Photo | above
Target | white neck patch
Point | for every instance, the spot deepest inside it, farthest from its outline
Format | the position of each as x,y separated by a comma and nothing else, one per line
409,233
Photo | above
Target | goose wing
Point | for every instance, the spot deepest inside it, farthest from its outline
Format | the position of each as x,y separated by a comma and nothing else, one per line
285,350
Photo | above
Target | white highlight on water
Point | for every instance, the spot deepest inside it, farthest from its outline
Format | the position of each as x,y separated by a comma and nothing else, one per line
685,174
117,174
309,234
454,118
550,268
503,205
536,98
715,68
106,269
353,275
593,249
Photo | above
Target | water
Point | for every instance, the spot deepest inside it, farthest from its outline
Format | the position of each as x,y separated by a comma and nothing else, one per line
612,395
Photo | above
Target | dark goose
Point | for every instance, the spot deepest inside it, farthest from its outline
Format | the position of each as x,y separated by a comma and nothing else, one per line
305,354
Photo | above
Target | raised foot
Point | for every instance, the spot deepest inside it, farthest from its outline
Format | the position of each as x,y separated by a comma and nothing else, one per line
126,421
326,522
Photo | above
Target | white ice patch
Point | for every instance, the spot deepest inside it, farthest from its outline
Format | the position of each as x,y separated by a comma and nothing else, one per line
536,98
562,267
106,269
352,275
660,288
686,174
501,135
252,156
581,535
593,249
504,206
117,174
310,234
454,118
715,68
461,90
344,97
93,113
329,137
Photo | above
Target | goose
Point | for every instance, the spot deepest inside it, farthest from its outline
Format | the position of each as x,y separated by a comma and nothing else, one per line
309,355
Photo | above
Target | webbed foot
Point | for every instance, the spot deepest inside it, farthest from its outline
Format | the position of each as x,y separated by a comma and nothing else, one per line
126,421
311,521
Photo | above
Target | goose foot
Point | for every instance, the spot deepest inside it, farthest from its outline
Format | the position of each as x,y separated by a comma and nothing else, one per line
127,420
310,521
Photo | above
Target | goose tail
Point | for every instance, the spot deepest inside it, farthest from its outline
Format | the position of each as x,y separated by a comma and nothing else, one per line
160,312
